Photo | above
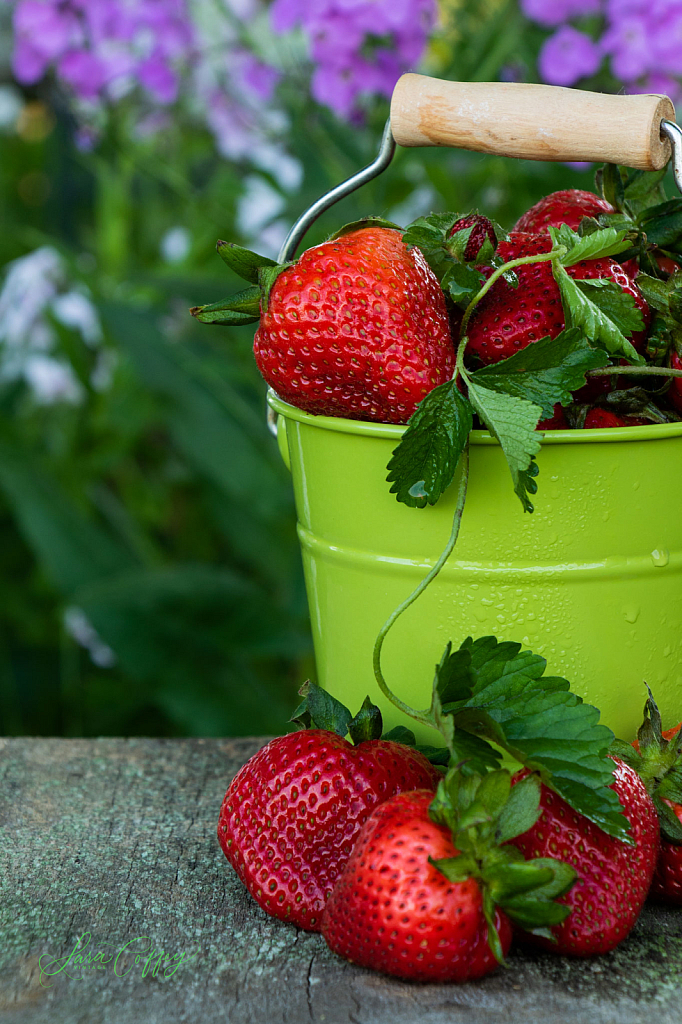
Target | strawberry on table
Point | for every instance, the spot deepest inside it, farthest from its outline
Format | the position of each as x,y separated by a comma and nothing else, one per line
292,813
613,878
430,889
657,758
568,206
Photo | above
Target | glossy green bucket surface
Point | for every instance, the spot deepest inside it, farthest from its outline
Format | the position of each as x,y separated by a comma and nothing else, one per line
592,580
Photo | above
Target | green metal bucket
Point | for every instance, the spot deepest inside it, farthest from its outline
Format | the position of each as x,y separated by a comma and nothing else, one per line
592,580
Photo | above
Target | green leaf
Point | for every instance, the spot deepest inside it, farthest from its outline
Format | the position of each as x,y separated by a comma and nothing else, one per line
474,754
242,308
545,372
458,242
522,809
618,305
320,710
612,183
671,827
455,869
663,224
242,261
399,734
583,313
367,724
507,880
266,279
512,421
454,679
494,791
655,291
600,243
461,282
640,185
424,463
543,725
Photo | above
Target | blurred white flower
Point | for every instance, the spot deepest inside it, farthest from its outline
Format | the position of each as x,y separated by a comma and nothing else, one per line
175,244
52,380
73,309
36,288
78,626
11,105
257,210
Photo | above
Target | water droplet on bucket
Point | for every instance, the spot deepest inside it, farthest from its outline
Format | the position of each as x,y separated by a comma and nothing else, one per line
660,557
631,612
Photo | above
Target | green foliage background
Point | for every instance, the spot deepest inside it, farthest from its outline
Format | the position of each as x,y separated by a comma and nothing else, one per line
160,506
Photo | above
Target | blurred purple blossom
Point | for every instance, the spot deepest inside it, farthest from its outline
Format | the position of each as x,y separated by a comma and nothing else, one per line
641,38
357,46
567,56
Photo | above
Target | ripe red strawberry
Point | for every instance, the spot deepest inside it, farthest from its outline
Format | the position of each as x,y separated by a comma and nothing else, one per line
605,418
395,912
568,206
482,229
613,877
507,319
556,422
658,762
356,328
292,814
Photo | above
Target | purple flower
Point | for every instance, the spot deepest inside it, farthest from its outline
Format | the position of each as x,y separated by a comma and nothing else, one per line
346,42
628,43
159,80
567,56
555,12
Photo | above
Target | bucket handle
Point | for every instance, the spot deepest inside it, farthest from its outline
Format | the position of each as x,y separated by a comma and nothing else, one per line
531,122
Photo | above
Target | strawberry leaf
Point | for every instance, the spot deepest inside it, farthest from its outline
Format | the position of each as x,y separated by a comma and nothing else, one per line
537,720
521,811
436,755
425,460
461,283
367,724
663,224
612,184
512,421
583,313
545,372
603,242
320,710
242,308
618,305
242,261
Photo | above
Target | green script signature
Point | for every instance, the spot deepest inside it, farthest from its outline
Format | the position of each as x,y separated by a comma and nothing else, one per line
138,953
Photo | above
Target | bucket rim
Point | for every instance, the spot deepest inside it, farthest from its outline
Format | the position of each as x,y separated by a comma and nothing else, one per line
365,428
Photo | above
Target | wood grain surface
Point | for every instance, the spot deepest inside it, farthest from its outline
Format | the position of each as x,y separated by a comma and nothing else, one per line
116,838
532,122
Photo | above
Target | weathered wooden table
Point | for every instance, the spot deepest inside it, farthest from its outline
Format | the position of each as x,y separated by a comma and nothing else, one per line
108,852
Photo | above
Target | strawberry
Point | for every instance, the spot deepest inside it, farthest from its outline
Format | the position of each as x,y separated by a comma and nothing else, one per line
292,813
428,892
605,418
507,319
357,327
393,911
566,207
482,229
613,877
556,422
658,760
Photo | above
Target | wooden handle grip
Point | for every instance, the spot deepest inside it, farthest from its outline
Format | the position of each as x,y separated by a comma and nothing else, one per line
533,122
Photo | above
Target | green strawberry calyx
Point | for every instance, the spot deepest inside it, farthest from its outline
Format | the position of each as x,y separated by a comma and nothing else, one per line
484,812
658,762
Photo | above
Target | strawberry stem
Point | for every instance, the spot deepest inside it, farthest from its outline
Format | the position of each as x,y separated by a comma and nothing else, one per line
640,371
422,716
